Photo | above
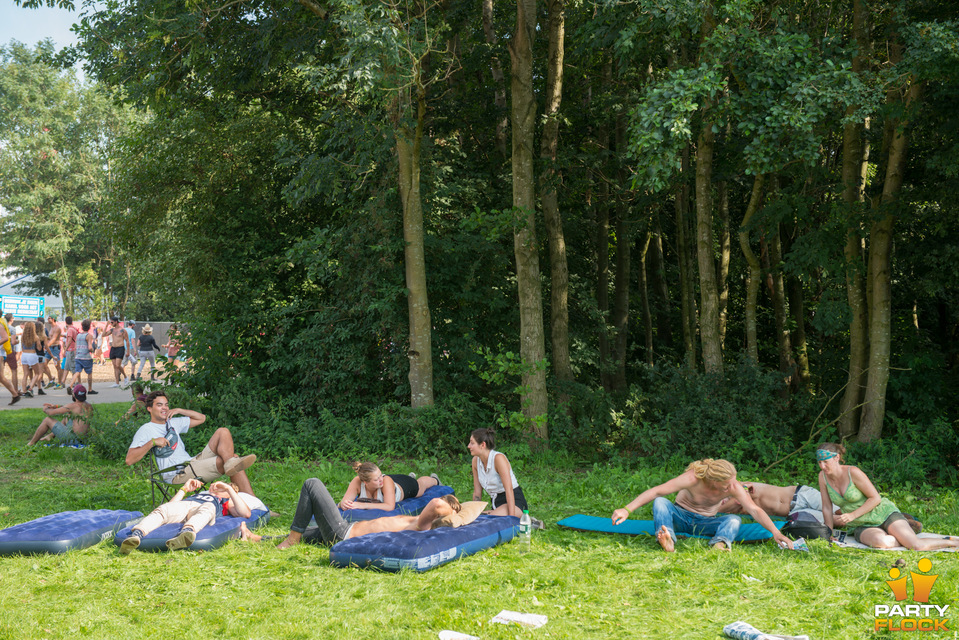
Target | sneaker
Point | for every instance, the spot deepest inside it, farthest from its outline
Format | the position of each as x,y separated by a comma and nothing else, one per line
91,392
15,399
50,384
182,541
27,393
41,392
437,478
537,523
129,544
236,465
114,385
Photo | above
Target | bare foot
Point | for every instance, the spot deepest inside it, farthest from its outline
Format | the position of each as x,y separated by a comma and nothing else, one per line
292,539
665,540
247,535
720,546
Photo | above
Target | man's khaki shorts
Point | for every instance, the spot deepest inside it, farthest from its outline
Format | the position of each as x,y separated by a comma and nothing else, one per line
202,467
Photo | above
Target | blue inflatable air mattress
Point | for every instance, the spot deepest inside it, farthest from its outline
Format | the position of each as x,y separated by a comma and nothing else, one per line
225,528
751,532
408,507
423,550
64,531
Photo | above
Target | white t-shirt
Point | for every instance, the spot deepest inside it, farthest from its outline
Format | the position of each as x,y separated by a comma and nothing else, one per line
174,454
252,501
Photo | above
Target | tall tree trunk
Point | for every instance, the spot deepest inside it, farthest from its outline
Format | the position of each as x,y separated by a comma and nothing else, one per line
777,293
794,290
408,146
656,274
708,291
621,298
559,270
644,297
602,243
794,295
755,269
683,247
855,158
725,254
499,81
523,118
624,246
880,279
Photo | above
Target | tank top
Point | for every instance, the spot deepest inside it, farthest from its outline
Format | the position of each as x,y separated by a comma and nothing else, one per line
7,345
379,492
854,498
83,349
489,478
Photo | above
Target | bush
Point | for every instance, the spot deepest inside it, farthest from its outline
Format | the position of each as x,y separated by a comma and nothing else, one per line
742,416
293,427
110,433
909,454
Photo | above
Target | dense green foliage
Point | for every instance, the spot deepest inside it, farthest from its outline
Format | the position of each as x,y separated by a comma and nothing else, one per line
258,196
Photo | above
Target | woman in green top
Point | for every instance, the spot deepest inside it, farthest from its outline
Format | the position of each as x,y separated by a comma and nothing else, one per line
877,521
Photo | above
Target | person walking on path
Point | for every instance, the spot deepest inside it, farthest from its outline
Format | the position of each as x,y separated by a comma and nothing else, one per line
84,356
69,350
54,338
6,351
119,345
131,354
148,349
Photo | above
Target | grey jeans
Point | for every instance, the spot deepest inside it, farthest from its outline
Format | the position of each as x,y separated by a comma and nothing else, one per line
316,502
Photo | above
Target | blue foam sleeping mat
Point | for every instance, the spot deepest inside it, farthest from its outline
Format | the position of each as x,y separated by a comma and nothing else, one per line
408,507
225,528
64,531
749,532
423,550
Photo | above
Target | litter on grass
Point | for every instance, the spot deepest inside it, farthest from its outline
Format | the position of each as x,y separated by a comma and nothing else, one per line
740,630
529,620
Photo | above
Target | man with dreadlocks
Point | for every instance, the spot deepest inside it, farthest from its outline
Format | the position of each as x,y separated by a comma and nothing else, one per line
700,491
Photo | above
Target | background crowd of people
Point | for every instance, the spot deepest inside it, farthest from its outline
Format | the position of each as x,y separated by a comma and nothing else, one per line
37,355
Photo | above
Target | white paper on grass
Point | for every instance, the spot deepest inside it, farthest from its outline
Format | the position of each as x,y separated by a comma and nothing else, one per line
530,620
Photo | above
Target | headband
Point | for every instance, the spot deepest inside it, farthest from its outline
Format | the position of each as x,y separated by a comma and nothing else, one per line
822,454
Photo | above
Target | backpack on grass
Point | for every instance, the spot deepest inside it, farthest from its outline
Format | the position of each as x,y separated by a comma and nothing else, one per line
801,524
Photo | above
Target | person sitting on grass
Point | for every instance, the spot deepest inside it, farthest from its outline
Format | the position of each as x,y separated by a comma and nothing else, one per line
316,502
194,512
371,489
163,433
700,491
69,428
139,401
876,520
493,473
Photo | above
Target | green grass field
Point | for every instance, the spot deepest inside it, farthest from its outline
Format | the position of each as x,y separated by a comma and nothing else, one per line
589,585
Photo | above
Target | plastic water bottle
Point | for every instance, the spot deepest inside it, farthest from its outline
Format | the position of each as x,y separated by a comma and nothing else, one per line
525,532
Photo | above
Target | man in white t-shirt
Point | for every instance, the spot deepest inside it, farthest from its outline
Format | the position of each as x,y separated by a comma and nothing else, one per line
163,432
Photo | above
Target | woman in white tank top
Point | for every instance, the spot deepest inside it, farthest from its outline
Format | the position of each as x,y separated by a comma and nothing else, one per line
372,489
493,473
